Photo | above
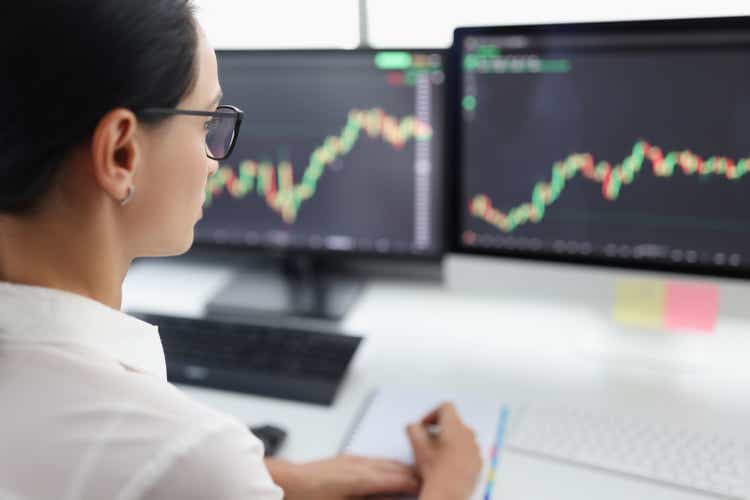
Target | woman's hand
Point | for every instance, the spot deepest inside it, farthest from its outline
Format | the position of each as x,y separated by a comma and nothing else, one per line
448,461
344,477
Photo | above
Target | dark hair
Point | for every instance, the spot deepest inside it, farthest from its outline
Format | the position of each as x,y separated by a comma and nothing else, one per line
67,63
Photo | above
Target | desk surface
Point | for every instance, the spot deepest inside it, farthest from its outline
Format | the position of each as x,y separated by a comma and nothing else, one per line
506,342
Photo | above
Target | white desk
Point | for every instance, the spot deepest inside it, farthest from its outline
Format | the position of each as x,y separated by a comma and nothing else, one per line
543,333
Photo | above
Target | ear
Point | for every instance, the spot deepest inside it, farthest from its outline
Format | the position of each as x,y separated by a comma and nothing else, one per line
115,153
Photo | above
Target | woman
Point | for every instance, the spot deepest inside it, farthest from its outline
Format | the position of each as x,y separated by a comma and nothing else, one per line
98,168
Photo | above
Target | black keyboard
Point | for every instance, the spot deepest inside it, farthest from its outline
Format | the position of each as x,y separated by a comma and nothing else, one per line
282,362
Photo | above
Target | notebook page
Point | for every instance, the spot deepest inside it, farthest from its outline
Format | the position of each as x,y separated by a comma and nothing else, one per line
381,433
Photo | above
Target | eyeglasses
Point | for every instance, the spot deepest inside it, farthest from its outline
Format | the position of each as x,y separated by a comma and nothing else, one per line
221,131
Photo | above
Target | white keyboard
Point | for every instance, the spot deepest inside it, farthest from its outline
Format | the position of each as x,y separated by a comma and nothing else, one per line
658,452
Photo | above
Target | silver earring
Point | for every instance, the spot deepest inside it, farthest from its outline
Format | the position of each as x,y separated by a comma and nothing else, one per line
126,200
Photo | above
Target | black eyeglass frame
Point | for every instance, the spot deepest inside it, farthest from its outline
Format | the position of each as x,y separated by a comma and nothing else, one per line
233,112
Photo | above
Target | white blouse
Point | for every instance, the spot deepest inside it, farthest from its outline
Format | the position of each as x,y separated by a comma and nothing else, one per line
86,411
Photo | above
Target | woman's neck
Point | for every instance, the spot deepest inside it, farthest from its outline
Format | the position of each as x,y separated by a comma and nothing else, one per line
63,252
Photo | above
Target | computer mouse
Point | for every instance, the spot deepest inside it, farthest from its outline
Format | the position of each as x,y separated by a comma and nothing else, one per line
271,436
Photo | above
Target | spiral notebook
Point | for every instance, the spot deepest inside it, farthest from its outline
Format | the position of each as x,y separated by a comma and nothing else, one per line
380,430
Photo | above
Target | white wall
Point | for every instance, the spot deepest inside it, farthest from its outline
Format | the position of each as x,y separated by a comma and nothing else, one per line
333,23
431,23
280,23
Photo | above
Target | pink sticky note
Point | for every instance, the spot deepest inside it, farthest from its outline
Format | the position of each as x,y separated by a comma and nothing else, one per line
691,306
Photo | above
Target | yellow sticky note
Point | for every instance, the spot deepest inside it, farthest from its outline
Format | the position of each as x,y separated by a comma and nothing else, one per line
640,302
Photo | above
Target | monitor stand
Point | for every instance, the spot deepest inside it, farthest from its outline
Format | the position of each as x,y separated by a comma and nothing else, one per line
292,286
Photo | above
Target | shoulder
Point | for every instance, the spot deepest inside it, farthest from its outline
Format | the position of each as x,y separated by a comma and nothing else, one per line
199,453
119,433
193,451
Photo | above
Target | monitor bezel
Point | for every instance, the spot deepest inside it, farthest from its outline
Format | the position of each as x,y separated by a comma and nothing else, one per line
455,91
324,253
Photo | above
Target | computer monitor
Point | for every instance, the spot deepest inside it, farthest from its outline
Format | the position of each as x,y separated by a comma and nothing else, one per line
624,144
340,151
341,154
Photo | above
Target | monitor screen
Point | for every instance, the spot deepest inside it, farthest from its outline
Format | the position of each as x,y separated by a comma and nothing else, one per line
339,151
623,144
